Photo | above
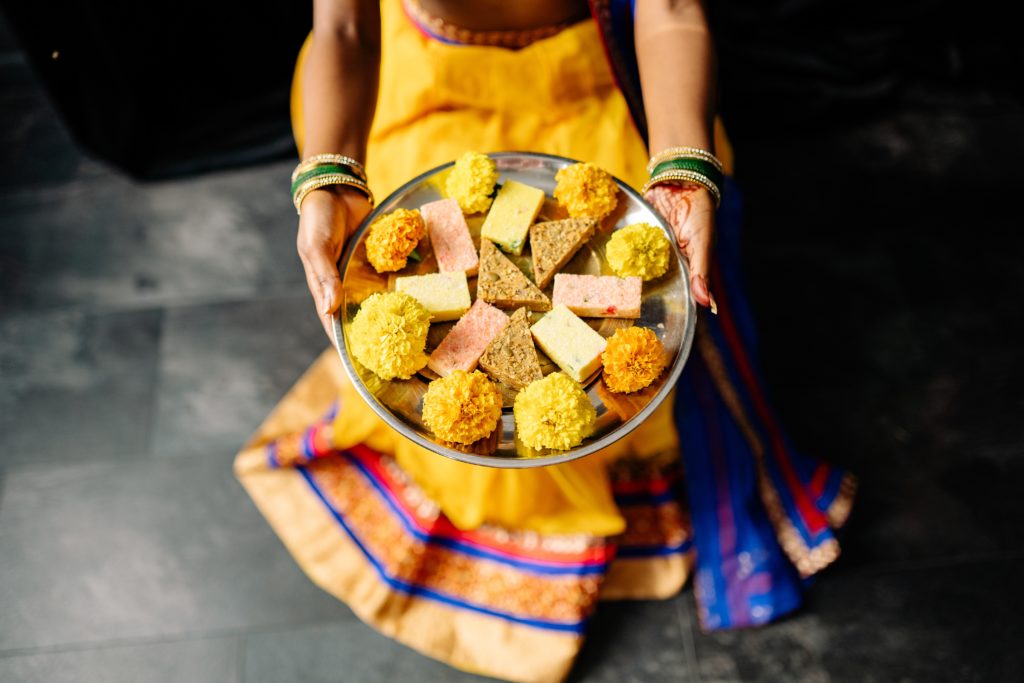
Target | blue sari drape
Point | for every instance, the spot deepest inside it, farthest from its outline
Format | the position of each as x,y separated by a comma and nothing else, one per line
764,515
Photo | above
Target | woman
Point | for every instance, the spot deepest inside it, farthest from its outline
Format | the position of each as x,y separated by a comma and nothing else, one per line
497,571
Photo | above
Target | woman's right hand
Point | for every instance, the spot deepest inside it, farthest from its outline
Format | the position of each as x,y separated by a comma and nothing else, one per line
329,215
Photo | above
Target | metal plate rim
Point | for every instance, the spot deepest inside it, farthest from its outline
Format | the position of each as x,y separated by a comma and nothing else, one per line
540,461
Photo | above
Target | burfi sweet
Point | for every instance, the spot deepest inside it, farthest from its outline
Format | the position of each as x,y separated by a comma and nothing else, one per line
502,283
568,341
553,243
463,346
511,215
449,236
511,358
444,295
599,296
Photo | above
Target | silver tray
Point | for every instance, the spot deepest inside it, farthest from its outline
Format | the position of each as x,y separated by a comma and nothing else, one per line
668,309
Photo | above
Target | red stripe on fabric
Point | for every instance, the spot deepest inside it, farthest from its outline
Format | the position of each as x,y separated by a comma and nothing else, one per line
443,528
820,480
813,519
323,439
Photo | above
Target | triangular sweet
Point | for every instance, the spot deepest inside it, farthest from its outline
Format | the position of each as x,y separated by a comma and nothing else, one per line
501,283
553,243
511,357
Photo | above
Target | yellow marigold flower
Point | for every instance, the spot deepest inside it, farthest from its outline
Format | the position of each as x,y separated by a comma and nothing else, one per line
392,238
632,360
586,191
638,249
553,412
471,182
389,333
463,407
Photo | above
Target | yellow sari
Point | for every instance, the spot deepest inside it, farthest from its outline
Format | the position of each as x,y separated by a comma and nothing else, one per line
493,571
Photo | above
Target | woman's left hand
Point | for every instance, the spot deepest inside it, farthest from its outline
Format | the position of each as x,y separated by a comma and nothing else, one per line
690,209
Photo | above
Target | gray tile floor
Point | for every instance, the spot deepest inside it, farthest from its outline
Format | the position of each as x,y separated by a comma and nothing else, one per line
146,329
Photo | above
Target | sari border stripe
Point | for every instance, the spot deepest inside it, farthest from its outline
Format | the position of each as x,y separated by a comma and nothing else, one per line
569,568
417,590
409,524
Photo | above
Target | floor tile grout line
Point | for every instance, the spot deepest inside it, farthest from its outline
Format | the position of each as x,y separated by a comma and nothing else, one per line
120,458
184,637
689,643
240,296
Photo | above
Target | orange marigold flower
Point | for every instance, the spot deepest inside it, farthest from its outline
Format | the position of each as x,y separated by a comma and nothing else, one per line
463,407
471,182
586,191
632,360
389,333
392,238
638,249
553,412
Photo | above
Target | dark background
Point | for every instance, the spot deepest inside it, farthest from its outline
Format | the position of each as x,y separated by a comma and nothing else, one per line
146,327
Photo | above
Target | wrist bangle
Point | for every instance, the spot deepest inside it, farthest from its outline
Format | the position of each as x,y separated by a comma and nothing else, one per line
702,166
686,164
684,153
309,163
324,169
675,177
319,181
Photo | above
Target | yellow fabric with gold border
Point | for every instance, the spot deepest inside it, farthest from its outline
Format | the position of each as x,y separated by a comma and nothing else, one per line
436,101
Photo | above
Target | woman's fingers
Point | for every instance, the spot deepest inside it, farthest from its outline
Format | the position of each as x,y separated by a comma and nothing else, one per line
321,236
690,210
316,290
698,253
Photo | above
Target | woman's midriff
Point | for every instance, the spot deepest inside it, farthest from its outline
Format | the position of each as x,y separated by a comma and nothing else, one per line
501,15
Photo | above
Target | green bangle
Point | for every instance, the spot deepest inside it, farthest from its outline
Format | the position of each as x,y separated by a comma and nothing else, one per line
701,166
325,169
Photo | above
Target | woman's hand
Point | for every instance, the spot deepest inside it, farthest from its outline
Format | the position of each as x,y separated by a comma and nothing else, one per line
329,215
690,209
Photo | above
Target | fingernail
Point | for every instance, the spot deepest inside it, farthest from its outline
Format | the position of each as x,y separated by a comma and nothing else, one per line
714,305
328,300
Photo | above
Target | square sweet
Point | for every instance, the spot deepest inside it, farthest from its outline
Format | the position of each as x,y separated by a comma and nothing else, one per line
449,237
511,358
502,283
599,296
444,295
511,215
466,342
554,243
568,341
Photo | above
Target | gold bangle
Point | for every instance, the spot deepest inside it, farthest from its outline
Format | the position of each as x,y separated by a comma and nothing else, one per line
325,181
683,153
328,180
689,176
340,159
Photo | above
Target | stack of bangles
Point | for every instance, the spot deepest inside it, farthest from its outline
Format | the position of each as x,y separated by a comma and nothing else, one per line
686,164
324,170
